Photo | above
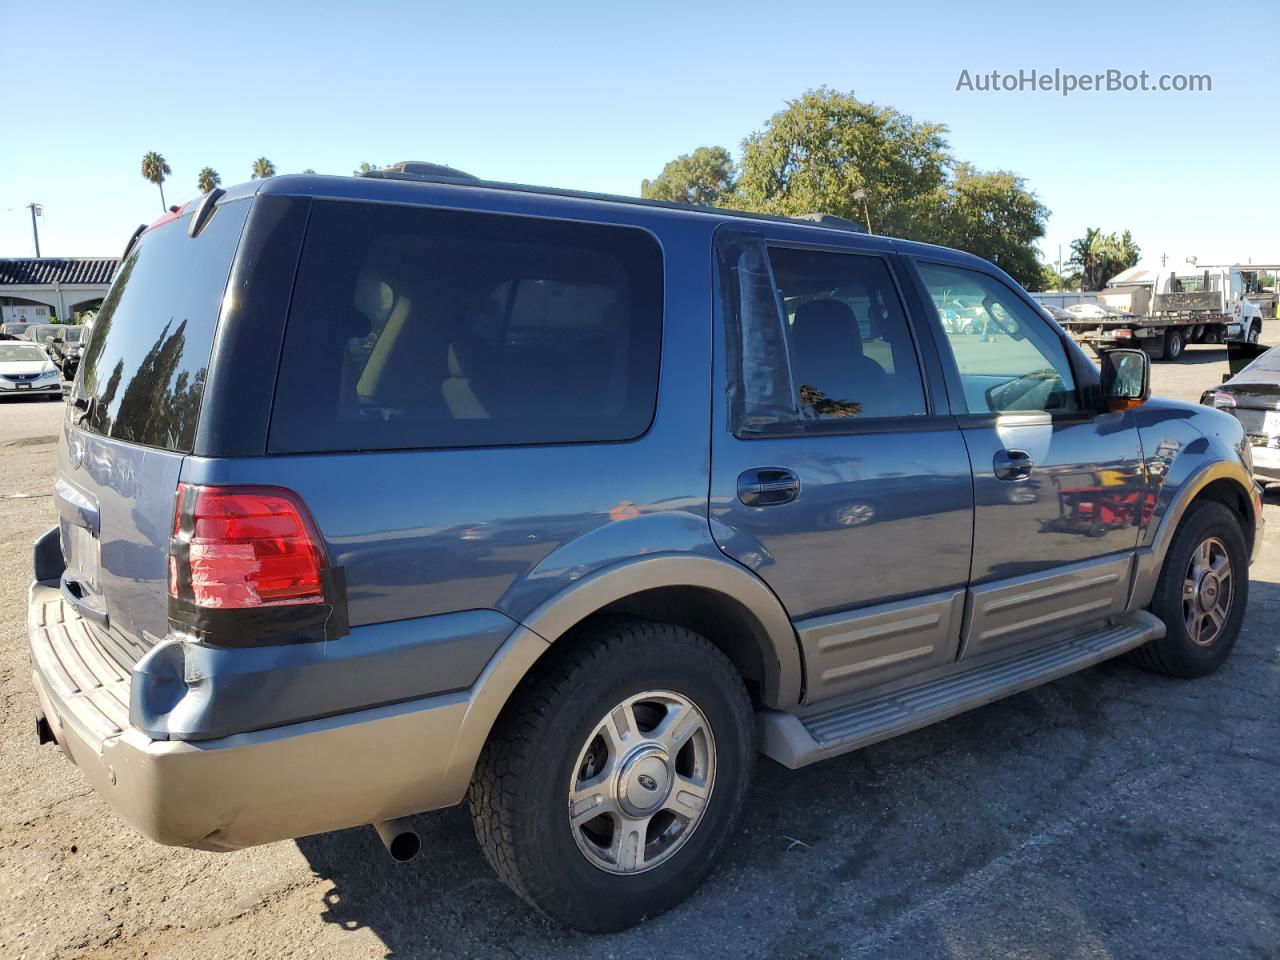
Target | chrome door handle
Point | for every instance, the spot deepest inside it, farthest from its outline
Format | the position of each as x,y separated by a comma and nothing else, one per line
1013,465
766,486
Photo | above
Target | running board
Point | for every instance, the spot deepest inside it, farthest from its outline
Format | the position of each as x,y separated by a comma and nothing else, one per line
795,741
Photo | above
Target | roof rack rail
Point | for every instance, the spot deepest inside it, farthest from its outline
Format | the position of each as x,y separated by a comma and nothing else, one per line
419,170
831,220
425,172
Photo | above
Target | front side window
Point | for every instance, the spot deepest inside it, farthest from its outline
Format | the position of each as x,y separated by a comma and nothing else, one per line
851,353
412,328
1009,357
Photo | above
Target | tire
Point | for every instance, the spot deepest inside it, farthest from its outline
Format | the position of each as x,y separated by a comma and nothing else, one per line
1173,344
1178,654
1255,333
549,740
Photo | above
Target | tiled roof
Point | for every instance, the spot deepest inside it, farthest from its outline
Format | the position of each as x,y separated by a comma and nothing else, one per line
48,270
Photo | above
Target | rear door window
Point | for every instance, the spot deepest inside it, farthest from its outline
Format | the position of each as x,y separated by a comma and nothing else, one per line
851,352
144,369
414,328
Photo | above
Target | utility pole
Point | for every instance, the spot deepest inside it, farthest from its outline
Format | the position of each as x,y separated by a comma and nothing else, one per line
36,211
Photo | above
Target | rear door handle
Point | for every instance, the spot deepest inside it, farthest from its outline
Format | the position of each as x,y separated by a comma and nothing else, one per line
766,486
1013,465
73,592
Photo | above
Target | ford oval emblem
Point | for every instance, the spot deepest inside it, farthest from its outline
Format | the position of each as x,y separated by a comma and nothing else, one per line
647,782
75,454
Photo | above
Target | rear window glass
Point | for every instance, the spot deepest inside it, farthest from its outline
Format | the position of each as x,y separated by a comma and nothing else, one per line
144,369
414,328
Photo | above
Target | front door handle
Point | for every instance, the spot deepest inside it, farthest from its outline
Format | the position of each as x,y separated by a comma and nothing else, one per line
766,486
1013,465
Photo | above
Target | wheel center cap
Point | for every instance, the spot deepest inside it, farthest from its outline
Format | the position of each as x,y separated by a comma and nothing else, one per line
644,781
1207,594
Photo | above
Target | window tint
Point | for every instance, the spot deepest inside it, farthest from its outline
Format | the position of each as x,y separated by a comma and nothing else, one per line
412,327
847,337
1010,358
145,365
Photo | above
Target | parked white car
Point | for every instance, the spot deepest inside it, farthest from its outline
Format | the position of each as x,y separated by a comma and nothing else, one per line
26,368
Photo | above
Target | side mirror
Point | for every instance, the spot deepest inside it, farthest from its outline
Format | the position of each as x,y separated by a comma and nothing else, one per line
1126,379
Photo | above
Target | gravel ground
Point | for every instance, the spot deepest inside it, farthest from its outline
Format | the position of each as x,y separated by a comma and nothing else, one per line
1110,814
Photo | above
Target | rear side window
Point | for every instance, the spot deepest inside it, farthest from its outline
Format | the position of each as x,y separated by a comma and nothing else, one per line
145,365
413,327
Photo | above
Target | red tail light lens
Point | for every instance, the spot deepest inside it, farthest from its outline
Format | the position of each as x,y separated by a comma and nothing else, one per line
240,547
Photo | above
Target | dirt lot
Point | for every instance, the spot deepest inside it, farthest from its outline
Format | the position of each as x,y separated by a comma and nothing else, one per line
1111,814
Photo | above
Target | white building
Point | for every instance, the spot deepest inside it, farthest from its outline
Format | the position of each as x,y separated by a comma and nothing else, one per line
33,290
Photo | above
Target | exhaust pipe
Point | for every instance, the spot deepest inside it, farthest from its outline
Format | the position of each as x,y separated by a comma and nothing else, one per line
399,837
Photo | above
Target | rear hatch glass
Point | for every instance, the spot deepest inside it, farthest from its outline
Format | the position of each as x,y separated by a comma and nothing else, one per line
133,416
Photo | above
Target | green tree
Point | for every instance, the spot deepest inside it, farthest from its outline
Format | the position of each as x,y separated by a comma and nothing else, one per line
701,178
829,152
309,170
992,215
155,168
1051,279
824,147
1100,256
364,168
207,179
263,168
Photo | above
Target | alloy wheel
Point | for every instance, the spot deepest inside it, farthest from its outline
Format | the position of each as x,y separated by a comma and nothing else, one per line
1207,591
642,782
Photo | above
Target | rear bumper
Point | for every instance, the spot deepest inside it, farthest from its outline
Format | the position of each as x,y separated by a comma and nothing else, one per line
251,788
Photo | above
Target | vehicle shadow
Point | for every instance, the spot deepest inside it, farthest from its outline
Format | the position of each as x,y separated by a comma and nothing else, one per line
1036,824
1198,354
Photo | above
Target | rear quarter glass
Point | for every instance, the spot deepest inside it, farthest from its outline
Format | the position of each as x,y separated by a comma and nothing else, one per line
144,370
413,327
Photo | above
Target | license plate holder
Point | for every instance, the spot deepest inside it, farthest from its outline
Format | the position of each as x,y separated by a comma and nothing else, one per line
23,386
1271,423
84,548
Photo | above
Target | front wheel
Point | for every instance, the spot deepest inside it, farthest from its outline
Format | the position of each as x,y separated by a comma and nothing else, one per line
1255,332
1201,594
616,775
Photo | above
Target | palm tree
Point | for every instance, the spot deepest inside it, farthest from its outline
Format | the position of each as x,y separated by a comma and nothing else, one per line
263,168
1087,256
155,168
208,179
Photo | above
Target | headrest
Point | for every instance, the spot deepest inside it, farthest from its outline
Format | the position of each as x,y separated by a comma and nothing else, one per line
827,322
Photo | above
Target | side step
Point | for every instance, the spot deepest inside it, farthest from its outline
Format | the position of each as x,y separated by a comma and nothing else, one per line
795,741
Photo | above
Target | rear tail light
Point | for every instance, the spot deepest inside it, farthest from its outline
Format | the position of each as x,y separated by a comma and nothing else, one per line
1123,334
1222,399
237,548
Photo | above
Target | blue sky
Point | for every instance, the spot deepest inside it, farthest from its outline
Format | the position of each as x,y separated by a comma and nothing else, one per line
598,96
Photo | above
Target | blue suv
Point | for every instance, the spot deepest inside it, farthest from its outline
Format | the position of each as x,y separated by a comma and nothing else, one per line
383,493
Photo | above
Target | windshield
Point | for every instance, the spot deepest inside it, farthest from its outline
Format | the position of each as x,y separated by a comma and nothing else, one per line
73,335
20,352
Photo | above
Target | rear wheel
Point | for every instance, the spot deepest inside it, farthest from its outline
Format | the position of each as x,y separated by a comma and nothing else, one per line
615,776
1201,594
1173,344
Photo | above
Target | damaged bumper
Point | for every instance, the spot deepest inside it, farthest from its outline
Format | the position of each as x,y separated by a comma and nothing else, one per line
247,788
